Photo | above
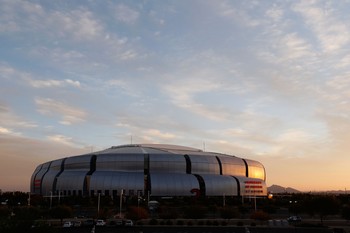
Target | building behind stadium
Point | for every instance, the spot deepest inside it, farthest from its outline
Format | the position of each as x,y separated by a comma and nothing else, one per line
150,169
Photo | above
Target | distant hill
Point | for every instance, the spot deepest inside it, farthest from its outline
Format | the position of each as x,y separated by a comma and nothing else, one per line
280,189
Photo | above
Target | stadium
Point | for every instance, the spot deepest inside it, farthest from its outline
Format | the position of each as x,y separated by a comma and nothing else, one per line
150,169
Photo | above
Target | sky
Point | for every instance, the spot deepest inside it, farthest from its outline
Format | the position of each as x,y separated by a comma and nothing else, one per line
262,80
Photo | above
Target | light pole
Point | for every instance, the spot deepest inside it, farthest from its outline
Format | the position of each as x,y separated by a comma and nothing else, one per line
29,199
59,197
98,204
50,199
120,204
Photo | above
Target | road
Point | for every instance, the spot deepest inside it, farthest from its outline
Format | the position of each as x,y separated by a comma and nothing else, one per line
207,229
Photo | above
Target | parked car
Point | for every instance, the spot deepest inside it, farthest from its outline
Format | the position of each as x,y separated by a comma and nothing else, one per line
100,222
294,219
88,222
76,223
128,223
67,224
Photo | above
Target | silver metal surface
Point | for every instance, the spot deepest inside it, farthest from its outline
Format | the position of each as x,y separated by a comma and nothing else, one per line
173,184
127,167
217,185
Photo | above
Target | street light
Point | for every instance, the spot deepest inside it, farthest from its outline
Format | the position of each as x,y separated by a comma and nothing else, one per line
120,204
50,199
98,203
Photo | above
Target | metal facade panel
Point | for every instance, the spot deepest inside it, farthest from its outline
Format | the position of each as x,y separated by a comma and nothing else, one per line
78,163
216,185
33,183
48,179
167,163
232,166
120,162
71,180
173,184
107,180
40,176
203,164
123,150
255,169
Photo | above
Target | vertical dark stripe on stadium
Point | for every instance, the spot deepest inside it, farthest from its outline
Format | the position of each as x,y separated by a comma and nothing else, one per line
220,165
146,175
57,175
86,186
188,164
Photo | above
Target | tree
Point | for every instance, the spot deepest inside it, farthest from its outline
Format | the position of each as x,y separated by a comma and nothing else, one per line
324,206
346,212
136,213
61,212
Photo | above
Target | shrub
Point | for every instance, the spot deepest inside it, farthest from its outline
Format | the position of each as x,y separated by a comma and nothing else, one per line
153,221
169,222
239,224
260,215
180,222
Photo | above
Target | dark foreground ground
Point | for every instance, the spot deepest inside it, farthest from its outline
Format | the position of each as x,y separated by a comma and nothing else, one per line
211,229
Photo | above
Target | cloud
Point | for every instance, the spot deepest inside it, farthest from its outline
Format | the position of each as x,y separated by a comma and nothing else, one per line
11,123
61,139
125,14
53,83
241,14
332,33
69,114
156,136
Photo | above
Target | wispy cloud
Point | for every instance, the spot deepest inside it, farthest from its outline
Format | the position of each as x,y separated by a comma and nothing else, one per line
69,114
126,14
53,83
332,32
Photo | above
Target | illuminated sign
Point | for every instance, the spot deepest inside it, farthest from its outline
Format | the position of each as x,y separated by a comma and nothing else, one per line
37,183
253,186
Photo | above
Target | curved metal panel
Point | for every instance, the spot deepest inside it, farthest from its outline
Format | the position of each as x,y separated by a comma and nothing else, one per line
120,162
40,176
34,187
255,169
232,166
173,184
70,180
78,163
48,179
130,182
167,163
204,164
217,185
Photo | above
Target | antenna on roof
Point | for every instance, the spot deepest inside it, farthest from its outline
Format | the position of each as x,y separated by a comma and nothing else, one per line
203,146
131,139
